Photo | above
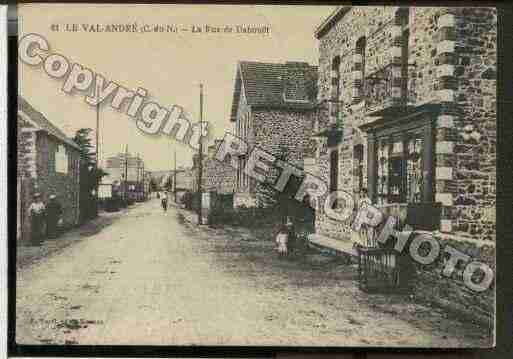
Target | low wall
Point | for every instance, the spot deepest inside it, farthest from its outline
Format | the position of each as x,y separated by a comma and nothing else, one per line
432,286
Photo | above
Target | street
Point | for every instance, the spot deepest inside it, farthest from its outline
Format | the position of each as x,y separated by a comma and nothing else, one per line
151,278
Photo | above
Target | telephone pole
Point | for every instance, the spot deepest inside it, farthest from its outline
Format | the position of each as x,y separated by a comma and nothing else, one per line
200,164
174,177
137,184
97,179
126,173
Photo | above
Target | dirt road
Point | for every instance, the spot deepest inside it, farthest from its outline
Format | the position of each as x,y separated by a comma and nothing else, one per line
149,278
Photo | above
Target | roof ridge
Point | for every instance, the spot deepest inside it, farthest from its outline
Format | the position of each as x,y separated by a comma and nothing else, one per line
46,124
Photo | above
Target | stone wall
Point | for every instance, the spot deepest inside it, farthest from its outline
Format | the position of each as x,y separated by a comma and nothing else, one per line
218,176
452,63
452,57
284,132
64,186
243,129
451,292
26,173
475,157
374,23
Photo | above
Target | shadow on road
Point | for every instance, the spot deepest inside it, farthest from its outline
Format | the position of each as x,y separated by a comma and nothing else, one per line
26,254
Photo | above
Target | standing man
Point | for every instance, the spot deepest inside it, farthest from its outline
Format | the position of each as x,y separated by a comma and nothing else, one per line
53,214
37,212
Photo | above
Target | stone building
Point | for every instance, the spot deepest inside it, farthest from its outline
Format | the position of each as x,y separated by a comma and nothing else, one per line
415,89
48,163
218,176
272,108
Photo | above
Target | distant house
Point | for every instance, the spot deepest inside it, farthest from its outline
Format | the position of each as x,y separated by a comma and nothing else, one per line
133,167
48,163
272,108
184,179
218,176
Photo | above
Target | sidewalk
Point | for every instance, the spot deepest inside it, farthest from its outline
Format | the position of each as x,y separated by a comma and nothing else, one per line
187,215
26,254
331,245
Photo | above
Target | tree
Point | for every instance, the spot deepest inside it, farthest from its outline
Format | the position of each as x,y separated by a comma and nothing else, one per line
90,174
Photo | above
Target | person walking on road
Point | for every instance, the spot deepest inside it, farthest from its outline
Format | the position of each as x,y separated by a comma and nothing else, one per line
164,201
37,213
53,216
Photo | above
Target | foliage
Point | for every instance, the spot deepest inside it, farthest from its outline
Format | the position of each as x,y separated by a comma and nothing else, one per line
90,174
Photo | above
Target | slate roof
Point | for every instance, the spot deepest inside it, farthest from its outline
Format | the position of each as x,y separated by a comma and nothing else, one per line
292,85
43,124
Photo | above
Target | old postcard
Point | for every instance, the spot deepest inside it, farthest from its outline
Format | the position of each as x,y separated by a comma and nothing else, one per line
256,175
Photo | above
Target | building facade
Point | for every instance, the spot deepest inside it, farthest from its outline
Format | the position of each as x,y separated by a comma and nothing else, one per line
415,90
272,108
126,165
48,163
218,176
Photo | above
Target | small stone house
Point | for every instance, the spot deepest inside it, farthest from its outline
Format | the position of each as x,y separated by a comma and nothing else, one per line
48,163
218,176
415,89
272,108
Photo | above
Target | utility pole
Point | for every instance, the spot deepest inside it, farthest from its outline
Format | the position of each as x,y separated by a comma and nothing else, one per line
97,179
200,164
137,184
126,173
143,181
174,177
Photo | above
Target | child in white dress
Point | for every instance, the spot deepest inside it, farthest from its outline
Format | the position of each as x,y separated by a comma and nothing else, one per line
281,240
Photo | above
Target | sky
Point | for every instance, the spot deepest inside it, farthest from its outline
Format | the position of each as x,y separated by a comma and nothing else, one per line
170,66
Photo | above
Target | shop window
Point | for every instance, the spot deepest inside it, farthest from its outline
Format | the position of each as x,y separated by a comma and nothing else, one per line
400,166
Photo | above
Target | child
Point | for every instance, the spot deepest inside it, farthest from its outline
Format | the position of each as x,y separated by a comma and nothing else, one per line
282,240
